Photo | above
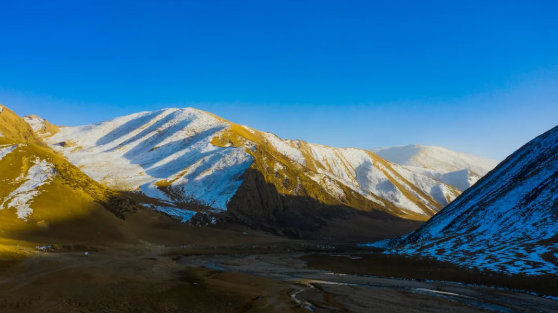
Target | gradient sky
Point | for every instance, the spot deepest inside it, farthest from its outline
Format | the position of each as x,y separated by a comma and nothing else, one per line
478,77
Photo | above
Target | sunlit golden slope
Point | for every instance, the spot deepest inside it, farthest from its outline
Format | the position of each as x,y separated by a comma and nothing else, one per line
39,189
42,127
15,128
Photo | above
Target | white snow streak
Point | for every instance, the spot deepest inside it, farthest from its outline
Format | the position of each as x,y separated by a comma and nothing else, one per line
285,148
183,215
37,123
5,150
39,174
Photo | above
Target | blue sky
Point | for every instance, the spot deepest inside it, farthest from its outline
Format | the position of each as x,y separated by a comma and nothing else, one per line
478,77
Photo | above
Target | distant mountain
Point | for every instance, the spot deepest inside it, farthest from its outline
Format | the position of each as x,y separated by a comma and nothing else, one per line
190,159
41,126
507,222
460,170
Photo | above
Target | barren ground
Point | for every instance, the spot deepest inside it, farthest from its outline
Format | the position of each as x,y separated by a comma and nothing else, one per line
229,272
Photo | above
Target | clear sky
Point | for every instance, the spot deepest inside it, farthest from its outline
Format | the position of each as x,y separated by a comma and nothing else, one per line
478,77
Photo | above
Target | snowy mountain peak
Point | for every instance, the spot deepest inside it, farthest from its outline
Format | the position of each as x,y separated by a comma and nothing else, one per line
178,154
439,163
152,151
435,158
35,122
41,126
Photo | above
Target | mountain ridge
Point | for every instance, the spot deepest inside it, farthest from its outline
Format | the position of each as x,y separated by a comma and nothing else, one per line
506,222
179,155
439,163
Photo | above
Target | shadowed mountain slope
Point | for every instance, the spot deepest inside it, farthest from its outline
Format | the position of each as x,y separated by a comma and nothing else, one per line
507,222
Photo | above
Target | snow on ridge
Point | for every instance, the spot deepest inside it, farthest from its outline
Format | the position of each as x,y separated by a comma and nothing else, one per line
169,147
36,123
214,179
435,188
439,163
39,174
461,179
435,158
248,128
358,170
285,148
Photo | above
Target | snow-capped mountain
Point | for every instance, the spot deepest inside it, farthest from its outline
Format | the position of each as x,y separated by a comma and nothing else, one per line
507,222
460,170
180,155
41,126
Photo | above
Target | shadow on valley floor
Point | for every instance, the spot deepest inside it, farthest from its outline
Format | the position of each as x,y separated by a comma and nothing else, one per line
120,220
131,265
126,270
144,261
424,269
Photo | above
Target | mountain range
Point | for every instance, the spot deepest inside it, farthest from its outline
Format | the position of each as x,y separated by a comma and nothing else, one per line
202,169
181,156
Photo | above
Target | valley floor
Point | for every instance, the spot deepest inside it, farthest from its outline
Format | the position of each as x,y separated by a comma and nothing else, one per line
268,274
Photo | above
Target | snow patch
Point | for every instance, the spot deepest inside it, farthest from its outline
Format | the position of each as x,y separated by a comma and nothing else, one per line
5,150
37,123
39,174
285,148
182,214
277,167
249,129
